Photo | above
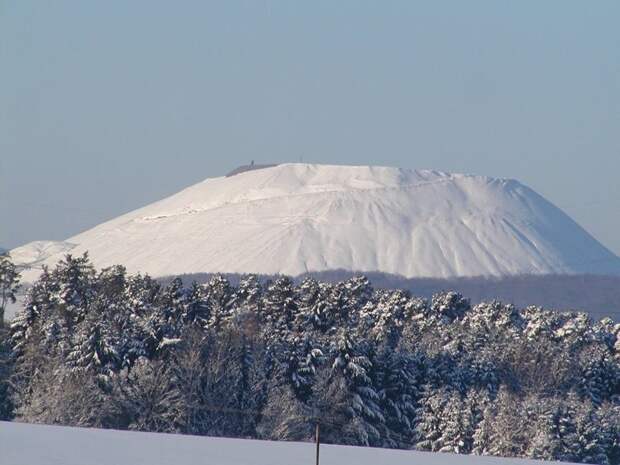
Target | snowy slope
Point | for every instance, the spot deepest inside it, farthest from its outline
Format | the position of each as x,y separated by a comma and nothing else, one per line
35,253
295,218
22,444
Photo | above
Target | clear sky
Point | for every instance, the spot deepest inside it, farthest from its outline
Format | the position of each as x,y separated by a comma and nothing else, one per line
107,106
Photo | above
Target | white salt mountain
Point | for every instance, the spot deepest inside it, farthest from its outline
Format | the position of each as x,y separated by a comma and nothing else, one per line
298,218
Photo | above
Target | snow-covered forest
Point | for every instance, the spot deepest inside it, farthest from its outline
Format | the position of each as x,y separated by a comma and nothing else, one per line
597,295
271,359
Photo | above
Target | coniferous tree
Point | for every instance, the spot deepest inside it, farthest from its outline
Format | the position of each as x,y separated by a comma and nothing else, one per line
93,349
280,307
196,309
6,407
315,310
358,400
220,299
398,390
75,279
429,427
9,283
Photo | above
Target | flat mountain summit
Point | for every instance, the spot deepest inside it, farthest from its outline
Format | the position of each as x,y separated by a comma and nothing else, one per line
295,218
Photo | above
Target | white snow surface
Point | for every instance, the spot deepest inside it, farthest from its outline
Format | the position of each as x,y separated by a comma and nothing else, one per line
296,218
25,444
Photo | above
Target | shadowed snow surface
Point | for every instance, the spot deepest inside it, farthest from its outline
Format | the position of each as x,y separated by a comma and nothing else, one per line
296,218
22,444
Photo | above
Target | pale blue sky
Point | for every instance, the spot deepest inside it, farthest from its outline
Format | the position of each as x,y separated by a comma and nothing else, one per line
107,106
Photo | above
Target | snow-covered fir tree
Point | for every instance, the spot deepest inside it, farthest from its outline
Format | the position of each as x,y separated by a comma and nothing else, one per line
9,283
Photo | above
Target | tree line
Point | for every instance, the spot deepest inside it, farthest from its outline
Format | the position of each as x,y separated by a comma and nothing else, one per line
269,359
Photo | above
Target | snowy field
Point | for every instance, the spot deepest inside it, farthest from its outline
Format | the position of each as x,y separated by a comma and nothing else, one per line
24,444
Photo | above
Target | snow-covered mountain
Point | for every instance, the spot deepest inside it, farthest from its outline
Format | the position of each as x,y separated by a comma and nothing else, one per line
297,218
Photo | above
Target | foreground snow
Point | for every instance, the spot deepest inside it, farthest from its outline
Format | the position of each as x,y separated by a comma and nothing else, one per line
22,444
296,218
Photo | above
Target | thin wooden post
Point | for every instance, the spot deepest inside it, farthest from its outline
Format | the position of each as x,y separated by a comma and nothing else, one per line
317,437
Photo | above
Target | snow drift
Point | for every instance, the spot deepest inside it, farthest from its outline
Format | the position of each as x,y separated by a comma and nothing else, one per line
298,218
